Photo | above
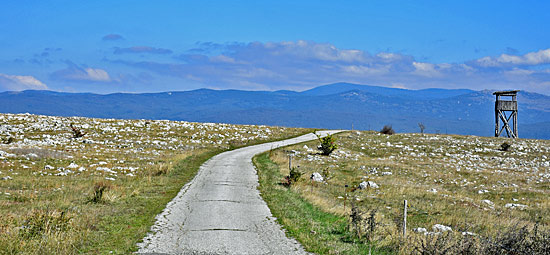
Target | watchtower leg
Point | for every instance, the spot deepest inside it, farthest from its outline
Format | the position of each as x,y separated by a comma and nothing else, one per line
516,124
515,118
496,123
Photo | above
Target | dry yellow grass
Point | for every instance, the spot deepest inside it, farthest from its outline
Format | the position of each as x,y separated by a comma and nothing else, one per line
45,172
464,182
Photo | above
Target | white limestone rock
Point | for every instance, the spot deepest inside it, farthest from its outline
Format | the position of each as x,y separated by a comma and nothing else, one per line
368,184
317,177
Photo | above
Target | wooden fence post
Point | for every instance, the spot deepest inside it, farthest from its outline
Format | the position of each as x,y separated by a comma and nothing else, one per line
405,219
289,162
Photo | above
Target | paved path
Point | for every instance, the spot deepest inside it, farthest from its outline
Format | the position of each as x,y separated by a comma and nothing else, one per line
221,212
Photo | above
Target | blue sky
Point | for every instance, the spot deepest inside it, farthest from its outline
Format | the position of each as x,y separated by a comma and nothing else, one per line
149,46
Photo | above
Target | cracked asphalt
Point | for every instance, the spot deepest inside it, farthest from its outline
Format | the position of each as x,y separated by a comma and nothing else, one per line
221,212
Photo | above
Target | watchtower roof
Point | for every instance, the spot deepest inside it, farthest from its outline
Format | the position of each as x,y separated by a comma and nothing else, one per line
506,93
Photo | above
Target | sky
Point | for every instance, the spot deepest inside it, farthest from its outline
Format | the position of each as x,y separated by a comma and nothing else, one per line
152,46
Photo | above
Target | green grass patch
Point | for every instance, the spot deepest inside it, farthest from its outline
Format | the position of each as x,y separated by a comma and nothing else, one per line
317,231
129,221
100,194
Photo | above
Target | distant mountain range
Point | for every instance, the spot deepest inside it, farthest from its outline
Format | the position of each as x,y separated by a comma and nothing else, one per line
334,106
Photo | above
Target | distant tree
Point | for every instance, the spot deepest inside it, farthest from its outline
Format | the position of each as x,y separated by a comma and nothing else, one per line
387,130
505,147
422,127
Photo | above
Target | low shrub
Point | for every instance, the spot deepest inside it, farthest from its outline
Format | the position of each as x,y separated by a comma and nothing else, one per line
162,169
8,140
515,240
505,147
294,176
387,130
328,144
326,174
99,189
44,222
362,223
76,131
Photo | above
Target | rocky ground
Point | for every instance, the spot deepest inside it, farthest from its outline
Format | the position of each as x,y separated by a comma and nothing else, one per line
80,179
467,184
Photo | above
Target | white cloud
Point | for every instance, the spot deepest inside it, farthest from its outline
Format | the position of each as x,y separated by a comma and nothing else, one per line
80,74
364,70
540,57
222,59
310,50
97,75
518,71
537,58
304,64
425,69
20,82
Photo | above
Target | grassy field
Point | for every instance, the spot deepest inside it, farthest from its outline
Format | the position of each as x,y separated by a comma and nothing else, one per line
318,231
99,193
467,183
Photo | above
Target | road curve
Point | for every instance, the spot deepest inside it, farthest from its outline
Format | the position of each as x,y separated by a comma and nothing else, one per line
221,212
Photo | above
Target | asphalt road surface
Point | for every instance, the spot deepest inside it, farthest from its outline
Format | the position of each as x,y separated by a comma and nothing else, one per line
221,212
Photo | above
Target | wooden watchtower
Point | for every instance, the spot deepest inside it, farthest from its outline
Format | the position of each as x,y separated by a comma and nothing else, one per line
503,106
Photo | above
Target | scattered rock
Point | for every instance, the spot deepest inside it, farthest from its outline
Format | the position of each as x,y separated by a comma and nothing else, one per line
488,202
368,184
316,177
515,206
441,228
33,156
7,155
420,230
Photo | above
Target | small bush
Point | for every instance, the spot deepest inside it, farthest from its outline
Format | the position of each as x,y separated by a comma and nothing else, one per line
515,240
326,174
505,147
99,189
387,130
76,131
294,176
328,144
8,140
362,223
519,240
447,243
162,169
41,222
